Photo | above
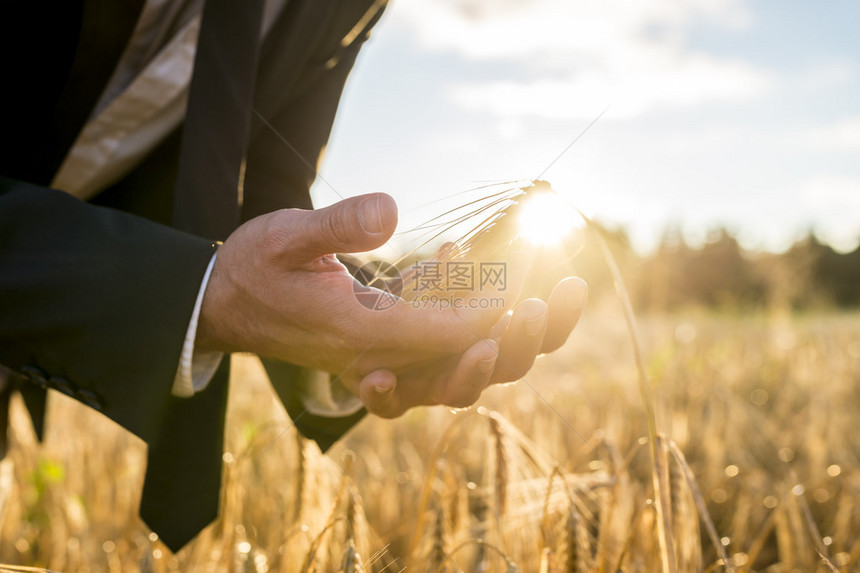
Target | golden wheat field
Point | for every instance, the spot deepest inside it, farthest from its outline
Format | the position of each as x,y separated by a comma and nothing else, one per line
552,473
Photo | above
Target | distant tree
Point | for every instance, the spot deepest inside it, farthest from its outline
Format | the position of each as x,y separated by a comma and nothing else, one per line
790,276
838,275
662,284
721,275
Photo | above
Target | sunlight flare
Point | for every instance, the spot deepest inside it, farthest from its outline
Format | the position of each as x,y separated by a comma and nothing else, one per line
547,220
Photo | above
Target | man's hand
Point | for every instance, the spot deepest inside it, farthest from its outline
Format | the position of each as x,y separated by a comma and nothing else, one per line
278,291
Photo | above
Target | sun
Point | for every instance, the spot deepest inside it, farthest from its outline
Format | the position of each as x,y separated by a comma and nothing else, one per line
545,219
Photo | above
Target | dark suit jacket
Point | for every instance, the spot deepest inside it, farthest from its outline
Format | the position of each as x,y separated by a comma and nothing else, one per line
95,298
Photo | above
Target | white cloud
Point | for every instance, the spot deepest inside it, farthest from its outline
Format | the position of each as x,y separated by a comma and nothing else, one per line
840,136
833,192
832,75
522,28
688,81
510,128
570,59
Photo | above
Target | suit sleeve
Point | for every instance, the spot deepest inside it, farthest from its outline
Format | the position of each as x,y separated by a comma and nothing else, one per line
94,302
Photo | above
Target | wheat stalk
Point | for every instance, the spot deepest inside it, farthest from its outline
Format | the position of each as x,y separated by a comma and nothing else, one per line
427,489
546,528
631,534
684,519
700,502
510,564
760,539
301,477
812,529
500,475
343,491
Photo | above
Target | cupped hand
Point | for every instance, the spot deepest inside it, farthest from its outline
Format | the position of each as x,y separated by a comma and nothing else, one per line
534,327
278,291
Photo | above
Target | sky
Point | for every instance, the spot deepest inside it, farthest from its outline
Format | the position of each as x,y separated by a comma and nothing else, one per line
743,114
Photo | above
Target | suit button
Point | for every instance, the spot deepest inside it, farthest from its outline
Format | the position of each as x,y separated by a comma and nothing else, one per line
62,385
90,398
35,375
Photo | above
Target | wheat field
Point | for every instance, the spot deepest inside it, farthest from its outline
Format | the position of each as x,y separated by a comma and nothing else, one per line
758,418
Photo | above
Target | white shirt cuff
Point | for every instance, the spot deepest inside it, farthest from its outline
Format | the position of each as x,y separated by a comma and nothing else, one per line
323,395
196,368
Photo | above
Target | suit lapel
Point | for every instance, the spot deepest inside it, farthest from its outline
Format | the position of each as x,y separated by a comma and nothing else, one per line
285,54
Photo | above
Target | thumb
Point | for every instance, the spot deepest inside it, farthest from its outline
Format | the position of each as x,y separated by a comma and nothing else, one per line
353,225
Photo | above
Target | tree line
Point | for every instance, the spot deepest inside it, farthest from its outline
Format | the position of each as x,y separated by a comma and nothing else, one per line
722,274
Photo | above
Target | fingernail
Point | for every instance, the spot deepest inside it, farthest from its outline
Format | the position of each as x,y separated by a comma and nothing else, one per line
487,365
535,324
369,216
383,387
576,299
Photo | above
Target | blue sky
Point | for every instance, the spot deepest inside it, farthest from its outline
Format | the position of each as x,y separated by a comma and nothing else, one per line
737,113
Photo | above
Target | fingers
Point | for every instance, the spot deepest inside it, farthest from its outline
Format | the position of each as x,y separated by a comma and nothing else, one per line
532,328
470,376
458,386
406,326
353,225
566,304
378,392
499,329
445,250
536,328
522,341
